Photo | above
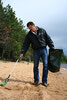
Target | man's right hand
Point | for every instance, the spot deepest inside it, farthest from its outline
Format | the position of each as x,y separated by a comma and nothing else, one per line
21,55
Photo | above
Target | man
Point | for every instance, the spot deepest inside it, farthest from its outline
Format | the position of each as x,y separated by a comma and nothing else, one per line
39,40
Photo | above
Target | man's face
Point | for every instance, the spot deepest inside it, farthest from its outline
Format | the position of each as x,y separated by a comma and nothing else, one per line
32,28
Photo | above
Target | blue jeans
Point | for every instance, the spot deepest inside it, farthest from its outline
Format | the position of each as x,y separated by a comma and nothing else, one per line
43,54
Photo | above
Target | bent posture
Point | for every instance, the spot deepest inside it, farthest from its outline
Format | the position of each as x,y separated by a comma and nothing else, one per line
39,39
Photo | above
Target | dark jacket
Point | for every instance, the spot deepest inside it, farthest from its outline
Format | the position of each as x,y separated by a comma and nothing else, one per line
37,41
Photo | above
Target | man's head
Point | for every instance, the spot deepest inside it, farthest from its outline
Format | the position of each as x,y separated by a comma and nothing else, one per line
32,26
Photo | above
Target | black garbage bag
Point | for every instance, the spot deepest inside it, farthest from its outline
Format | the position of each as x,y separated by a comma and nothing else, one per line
54,59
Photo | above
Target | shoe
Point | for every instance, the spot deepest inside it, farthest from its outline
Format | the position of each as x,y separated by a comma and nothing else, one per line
44,84
36,83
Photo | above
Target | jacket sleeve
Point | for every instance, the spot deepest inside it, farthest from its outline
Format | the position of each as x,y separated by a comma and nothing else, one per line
49,40
25,45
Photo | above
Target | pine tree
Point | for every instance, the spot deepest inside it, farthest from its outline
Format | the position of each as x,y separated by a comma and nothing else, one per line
3,34
16,35
12,34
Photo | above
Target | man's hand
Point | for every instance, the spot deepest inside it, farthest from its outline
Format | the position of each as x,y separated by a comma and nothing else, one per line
53,48
21,55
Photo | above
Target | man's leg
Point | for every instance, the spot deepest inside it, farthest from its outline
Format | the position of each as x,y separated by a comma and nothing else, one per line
45,65
36,64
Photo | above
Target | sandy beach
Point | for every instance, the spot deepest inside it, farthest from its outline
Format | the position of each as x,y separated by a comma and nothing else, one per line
20,86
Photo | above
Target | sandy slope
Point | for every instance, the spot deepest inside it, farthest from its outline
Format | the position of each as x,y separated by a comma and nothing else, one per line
20,86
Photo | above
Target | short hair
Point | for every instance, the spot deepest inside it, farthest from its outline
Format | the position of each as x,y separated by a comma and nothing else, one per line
30,23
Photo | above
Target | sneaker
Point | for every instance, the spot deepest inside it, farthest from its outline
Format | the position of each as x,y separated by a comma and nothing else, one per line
44,84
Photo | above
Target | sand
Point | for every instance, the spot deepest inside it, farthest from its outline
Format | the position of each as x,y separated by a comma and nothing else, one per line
20,86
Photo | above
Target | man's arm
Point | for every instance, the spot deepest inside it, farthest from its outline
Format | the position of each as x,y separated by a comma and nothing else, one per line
49,41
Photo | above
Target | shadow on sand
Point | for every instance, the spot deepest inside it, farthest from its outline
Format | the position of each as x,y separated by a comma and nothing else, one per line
17,81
